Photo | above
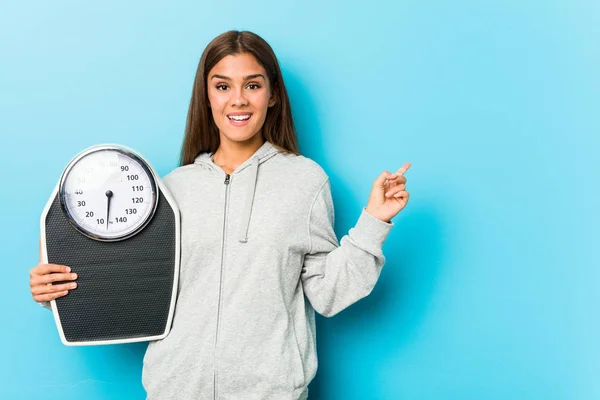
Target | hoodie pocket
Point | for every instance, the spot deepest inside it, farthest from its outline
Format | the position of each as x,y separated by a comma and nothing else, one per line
299,379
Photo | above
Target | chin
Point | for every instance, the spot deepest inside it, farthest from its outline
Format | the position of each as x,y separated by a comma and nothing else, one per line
240,137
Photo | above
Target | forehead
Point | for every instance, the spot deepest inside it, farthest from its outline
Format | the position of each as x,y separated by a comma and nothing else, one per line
236,66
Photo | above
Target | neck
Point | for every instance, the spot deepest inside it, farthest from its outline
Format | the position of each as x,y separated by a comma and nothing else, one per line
231,154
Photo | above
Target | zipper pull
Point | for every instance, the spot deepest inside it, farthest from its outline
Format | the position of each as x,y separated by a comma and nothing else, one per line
227,179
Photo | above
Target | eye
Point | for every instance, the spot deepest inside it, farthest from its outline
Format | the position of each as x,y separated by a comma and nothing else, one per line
253,86
221,86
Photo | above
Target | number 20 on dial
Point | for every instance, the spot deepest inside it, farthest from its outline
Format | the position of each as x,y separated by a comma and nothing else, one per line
108,193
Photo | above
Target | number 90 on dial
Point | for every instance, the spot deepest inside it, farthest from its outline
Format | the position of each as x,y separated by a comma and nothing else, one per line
108,193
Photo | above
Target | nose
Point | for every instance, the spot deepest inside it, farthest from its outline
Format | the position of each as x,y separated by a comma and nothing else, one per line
238,98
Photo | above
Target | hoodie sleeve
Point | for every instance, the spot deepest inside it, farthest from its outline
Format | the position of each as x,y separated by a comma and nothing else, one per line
334,277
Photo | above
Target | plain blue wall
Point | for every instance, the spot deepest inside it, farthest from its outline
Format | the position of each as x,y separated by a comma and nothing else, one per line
490,288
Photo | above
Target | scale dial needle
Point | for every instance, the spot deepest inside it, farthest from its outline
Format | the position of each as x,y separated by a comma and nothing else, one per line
108,197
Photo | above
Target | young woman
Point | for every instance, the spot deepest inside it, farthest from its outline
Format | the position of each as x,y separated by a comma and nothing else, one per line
259,253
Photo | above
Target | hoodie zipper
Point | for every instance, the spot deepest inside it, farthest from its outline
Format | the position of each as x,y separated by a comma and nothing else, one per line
227,181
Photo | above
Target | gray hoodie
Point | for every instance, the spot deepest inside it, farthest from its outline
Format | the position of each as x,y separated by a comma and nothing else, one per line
258,256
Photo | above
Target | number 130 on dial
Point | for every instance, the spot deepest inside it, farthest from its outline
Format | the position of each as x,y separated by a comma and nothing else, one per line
108,193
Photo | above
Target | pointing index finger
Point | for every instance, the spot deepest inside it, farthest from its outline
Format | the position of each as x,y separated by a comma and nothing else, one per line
403,169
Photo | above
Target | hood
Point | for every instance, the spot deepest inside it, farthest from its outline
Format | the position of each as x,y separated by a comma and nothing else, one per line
265,152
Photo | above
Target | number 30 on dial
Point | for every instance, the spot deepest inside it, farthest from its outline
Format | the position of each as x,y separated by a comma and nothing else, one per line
108,192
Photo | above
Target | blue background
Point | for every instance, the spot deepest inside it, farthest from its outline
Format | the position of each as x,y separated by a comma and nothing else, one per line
490,286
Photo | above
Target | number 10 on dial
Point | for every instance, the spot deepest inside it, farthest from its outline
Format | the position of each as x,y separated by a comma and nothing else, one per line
108,193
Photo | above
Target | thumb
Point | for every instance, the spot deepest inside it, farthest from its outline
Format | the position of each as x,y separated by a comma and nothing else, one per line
380,181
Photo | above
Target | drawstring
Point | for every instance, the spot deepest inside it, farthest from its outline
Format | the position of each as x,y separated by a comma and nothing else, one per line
243,238
265,152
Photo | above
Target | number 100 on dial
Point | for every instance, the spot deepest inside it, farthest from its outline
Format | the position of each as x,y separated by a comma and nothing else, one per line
108,193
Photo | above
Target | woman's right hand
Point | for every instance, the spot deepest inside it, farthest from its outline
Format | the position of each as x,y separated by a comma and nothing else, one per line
42,278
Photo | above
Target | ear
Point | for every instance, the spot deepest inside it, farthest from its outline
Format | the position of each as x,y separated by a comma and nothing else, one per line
273,99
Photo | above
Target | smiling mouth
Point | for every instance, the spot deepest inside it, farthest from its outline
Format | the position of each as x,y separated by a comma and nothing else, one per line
239,118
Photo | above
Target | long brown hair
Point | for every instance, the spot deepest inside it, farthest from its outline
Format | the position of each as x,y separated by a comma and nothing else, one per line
201,132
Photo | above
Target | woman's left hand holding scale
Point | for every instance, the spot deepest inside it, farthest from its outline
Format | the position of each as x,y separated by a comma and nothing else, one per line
388,196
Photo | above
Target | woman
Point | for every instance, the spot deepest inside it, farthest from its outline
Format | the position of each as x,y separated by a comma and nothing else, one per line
259,253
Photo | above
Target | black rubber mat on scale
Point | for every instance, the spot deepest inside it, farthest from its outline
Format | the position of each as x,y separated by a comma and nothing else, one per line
124,288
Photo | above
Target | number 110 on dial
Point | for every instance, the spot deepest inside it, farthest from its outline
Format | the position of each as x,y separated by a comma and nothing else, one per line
108,193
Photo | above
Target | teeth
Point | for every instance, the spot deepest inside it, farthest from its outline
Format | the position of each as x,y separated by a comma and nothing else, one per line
239,117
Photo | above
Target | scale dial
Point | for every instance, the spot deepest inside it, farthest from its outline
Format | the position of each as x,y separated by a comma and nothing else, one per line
108,193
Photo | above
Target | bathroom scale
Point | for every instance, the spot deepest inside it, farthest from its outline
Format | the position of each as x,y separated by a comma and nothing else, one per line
113,221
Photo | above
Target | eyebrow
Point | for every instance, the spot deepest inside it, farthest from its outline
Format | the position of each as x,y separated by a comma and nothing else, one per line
226,78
